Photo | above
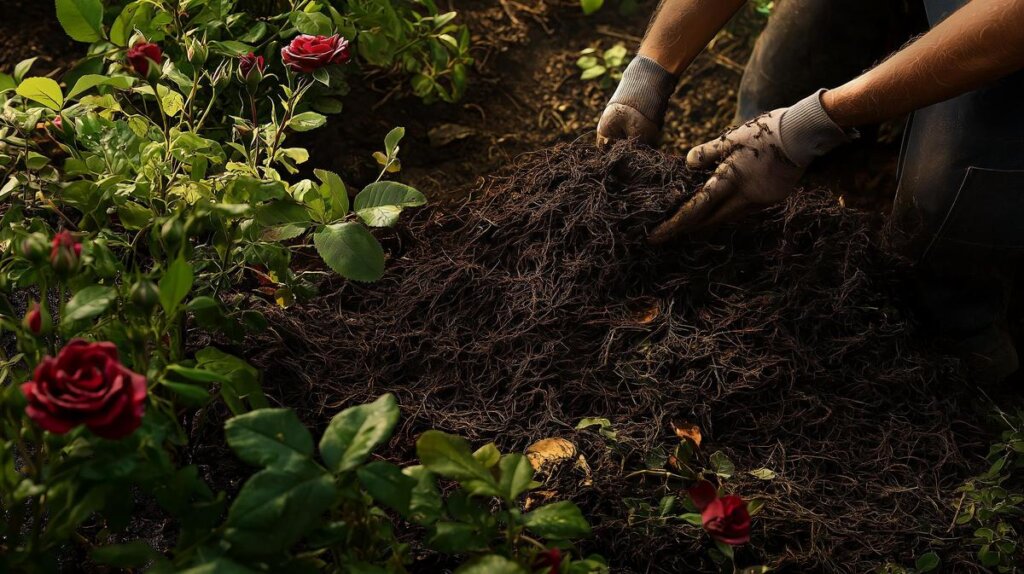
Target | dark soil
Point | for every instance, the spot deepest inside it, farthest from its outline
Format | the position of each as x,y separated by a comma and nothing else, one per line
29,29
785,339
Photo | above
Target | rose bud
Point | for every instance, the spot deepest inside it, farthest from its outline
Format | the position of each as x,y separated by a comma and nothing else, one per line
726,519
250,70
196,52
65,253
549,561
145,295
37,320
87,385
58,122
141,55
35,247
306,54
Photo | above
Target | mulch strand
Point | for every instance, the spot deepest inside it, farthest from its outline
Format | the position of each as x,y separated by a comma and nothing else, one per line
785,337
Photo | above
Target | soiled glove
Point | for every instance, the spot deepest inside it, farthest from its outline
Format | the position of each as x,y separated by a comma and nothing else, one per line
637,109
759,163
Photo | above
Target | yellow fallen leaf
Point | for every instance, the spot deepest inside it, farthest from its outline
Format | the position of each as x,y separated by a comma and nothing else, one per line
549,451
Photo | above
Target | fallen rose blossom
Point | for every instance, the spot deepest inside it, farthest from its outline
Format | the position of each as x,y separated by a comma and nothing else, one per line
725,518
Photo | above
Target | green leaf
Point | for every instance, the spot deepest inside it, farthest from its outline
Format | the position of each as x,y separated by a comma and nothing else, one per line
593,72
351,251
269,437
491,564
193,394
722,466
333,192
355,432
21,68
388,485
762,473
516,476
425,503
131,555
457,538
927,562
307,121
450,456
219,565
175,285
276,508
605,426
391,141
244,382
89,302
488,455
81,19
380,203
7,83
591,6
90,81
42,91
561,521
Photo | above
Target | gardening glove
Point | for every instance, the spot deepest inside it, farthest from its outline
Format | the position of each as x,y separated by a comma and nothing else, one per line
637,109
759,163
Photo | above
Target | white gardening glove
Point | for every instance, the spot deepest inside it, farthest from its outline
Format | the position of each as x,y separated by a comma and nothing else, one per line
759,163
637,109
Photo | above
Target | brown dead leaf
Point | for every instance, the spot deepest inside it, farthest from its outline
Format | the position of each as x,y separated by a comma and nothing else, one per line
538,498
548,451
687,431
646,311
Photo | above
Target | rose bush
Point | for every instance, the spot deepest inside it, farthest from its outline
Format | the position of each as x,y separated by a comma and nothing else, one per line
142,55
86,384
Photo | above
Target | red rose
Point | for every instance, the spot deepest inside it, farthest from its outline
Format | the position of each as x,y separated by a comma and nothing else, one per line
550,560
250,62
726,519
65,252
86,385
307,54
141,54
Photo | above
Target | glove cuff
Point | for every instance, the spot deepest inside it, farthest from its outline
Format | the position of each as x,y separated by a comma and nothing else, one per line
806,131
646,87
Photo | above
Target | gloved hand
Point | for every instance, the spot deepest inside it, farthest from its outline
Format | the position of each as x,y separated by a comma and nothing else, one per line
759,163
637,109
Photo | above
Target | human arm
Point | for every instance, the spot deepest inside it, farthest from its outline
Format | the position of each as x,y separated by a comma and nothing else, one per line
761,162
679,31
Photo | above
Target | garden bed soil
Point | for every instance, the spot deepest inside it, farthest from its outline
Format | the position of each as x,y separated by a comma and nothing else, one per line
786,339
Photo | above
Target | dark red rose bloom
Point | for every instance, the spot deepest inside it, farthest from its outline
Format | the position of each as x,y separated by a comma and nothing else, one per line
33,320
86,385
249,62
307,54
550,559
140,55
726,519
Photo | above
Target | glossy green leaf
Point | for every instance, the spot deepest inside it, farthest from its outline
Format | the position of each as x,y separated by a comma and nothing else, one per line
356,431
491,564
379,204
351,251
307,121
175,285
42,91
81,19
560,520
89,302
450,456
269,437
388,485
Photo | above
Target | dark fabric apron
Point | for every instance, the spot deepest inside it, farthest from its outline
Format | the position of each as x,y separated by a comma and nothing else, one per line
961,174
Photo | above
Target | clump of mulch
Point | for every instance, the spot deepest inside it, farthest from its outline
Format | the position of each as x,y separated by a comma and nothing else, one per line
785,338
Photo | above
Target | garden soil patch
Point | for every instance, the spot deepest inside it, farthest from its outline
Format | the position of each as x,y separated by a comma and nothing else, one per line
785,338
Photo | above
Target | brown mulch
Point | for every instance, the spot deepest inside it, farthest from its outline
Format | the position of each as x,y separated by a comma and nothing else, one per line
786,338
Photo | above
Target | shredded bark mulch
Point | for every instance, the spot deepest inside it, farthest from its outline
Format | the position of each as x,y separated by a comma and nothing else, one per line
786,338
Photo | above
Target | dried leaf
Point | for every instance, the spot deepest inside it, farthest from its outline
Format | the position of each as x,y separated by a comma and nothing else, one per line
688,431
549,451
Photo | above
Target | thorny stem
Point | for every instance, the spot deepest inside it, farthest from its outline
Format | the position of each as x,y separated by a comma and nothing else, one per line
293,101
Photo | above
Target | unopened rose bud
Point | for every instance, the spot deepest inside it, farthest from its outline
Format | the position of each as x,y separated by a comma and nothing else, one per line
34,247
196,52
142,56
145,295
65,253
37,320
172,232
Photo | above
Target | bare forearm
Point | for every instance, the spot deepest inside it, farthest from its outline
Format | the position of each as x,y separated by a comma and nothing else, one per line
978,44
681,29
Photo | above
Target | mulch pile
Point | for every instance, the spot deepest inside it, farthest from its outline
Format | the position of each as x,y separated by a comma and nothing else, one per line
785,338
